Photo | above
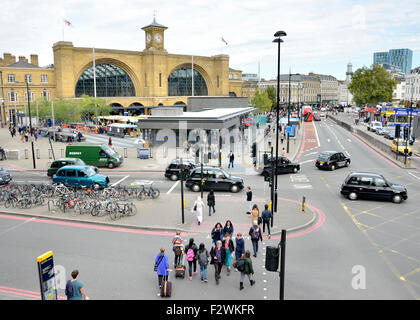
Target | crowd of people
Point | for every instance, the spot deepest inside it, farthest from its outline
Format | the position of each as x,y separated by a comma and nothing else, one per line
225,247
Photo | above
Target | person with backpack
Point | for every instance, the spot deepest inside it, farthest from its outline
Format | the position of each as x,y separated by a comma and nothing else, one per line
191,250
266,218
244,265
203,260
211,201
249,199
74,288
255,233
217,233
227,244
177,248
162,266
240,246
218,256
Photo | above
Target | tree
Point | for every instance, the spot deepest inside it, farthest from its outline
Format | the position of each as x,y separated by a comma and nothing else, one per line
261,101
372,86
90,107
272,95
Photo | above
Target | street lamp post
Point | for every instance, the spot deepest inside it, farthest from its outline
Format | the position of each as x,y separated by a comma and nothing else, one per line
30,121
278,40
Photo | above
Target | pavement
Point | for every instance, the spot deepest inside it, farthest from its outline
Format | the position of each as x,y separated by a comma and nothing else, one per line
165,213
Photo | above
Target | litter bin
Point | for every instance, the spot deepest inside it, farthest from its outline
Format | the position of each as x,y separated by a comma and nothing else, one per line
143,153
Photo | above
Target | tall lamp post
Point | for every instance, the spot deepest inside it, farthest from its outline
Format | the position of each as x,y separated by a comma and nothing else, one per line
30,120
278,40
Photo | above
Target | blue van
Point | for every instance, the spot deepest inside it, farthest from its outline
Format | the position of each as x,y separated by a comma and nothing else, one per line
81,176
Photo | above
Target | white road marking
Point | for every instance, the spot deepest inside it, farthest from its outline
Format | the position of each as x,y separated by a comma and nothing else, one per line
413,175
302,186
311,160
119,181
173,187
348,140
317,138
310,153
328,140
16,226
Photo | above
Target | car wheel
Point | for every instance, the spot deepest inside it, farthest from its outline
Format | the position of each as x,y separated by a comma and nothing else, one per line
332,167
234,188
347,163
295,170
110,165
96,186
353,196
396,198
174,177
195,188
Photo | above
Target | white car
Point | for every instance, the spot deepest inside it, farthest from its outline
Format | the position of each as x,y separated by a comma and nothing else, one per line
374,125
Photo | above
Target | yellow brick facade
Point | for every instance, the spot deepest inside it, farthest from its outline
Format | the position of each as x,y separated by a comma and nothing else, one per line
145,68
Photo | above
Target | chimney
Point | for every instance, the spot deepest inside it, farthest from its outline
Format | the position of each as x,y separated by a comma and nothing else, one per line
8,59
34,59
1,62
22,58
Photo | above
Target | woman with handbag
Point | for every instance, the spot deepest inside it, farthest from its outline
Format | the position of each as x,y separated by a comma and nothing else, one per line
211,201
198,208
161,266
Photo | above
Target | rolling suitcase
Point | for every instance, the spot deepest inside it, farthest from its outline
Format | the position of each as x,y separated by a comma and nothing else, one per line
166,289
180,269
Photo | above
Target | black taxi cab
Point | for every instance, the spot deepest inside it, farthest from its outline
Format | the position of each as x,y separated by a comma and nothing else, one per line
173,170
214,178
331,160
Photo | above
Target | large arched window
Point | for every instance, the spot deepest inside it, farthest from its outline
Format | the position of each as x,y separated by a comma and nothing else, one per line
111,81
180,83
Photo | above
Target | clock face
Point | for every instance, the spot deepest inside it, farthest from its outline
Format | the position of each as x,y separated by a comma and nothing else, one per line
158,38
148,38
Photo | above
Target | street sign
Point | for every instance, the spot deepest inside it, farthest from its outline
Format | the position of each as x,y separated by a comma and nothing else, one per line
46,276
249,122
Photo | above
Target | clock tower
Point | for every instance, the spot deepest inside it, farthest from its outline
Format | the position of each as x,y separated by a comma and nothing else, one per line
154,36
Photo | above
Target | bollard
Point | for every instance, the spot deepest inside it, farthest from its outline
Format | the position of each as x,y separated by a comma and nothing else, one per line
62,152
125,152
38,154
26,154
303,203
49,154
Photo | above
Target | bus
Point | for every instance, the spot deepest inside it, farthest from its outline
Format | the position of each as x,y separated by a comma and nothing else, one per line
307,113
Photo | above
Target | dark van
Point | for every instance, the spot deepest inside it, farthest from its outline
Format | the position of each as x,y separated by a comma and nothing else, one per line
57,164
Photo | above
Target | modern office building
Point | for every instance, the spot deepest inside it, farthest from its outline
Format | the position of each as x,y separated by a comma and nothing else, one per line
395,58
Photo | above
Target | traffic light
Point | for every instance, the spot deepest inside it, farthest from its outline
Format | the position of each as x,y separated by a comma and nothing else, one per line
405,133
397,130
254,150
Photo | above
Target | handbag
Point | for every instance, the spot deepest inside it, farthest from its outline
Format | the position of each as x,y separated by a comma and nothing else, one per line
195,208
158,263
259,220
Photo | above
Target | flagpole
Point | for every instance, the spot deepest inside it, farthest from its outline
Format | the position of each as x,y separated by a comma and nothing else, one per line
94,77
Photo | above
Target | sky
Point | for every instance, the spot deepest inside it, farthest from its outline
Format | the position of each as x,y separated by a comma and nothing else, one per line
322,35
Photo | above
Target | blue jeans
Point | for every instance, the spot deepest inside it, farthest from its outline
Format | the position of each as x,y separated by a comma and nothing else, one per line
255,246
230,163
211,206
203,272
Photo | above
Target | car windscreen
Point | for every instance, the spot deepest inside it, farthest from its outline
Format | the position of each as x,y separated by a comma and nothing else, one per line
324,156
109,151
227,175
90,172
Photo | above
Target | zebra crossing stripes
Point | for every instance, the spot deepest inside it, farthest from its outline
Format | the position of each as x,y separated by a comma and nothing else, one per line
300,181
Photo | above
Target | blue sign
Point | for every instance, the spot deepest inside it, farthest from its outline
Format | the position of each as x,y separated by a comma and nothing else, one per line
291,130
46,276
49,122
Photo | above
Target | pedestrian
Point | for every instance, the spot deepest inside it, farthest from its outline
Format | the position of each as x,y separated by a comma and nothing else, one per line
211,201
26,136
231,158
217,233
110,142
162,266
218,255
202,257
191,250
255,233
283,152
78,289
266,218
198,208
255,214
227,244
248,270
269,140
228,228
282,138
13,131
22,136
177,248
249,199
240,246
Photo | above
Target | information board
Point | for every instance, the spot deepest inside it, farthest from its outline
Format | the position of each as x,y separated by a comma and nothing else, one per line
46,276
